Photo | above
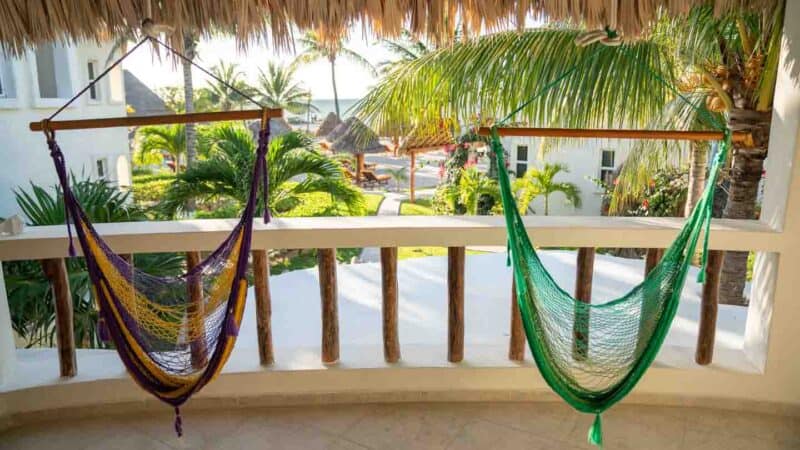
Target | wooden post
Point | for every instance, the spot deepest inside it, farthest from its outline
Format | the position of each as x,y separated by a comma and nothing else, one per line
583,293
455,293
391,339
411,178
326,258
654,255
708,309
263,306
56,271
516,345
359,166
195,311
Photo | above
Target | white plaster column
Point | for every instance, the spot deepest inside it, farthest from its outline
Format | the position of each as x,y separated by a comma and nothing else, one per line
8,357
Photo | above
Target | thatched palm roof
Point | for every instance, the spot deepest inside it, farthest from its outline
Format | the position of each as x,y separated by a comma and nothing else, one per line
24,23
141,98
331,121
342,129
356,138
277,127
426,138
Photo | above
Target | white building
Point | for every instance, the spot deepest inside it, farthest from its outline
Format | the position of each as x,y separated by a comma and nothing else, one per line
32,87
586,159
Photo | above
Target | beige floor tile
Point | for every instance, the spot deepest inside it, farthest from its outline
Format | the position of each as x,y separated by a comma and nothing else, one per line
427,426
453,426
482,435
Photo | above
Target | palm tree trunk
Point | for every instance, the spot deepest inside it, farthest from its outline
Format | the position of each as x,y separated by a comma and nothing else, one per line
188,98
333,82
546,204
745,176
698,164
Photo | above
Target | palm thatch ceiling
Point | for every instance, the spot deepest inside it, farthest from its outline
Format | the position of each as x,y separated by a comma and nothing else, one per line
25,23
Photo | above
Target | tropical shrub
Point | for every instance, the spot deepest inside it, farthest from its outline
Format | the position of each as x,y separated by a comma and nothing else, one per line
295,168
29,293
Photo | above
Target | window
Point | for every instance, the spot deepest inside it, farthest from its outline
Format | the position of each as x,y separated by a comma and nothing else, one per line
607,167
102,168
52,71
91,71
522,160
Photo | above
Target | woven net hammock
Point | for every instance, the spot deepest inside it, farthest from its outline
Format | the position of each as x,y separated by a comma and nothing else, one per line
173,334
593,354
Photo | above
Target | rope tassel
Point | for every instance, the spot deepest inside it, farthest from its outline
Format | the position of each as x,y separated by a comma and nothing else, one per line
595,435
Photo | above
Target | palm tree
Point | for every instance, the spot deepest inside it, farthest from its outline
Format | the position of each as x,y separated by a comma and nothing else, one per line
406,48
278,89
735,54
221,93
541,182
737,57
399,175
190,51
472,185
163,138
227,172
315,48
729,65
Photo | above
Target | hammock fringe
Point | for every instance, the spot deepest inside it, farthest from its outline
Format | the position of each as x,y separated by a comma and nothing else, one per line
595,436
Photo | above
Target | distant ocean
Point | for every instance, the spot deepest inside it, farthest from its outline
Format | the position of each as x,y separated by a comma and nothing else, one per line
326,105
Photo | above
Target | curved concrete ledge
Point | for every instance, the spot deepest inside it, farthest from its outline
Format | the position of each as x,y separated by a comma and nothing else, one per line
423,376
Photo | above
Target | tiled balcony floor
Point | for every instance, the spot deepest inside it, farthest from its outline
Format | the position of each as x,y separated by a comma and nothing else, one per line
417,426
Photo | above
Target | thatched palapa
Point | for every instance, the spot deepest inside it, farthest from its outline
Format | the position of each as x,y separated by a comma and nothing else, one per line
25,23
424,139
352,136
331,121
277,127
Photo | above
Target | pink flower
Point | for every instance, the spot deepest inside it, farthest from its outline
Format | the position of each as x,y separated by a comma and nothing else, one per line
645,204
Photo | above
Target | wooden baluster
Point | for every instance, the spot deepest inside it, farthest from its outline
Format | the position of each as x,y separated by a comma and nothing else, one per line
516,345
195,311
654,255
583,293
326,258
455,293
56,271
391,339
652,258
708,309
263,306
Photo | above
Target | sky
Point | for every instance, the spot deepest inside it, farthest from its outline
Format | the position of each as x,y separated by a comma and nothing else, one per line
352,80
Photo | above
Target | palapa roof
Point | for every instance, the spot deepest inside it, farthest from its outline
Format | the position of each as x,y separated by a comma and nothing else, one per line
25,23
277,126
341,129
331,121
356,138
141,98
426,138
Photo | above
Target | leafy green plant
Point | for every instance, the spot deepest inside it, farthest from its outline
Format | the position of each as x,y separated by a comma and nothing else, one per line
541,182
227,172
29,293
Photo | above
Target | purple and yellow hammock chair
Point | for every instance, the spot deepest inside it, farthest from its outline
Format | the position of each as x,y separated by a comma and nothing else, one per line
171,344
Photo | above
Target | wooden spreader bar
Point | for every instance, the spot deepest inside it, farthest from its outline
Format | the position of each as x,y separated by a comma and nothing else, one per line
676,135
137,121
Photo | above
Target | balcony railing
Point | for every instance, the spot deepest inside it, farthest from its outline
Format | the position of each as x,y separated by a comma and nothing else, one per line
49,244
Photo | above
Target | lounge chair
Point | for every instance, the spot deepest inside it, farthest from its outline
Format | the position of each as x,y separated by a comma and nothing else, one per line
371,178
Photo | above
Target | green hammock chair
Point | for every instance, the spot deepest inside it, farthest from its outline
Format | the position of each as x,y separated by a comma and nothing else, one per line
592,355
